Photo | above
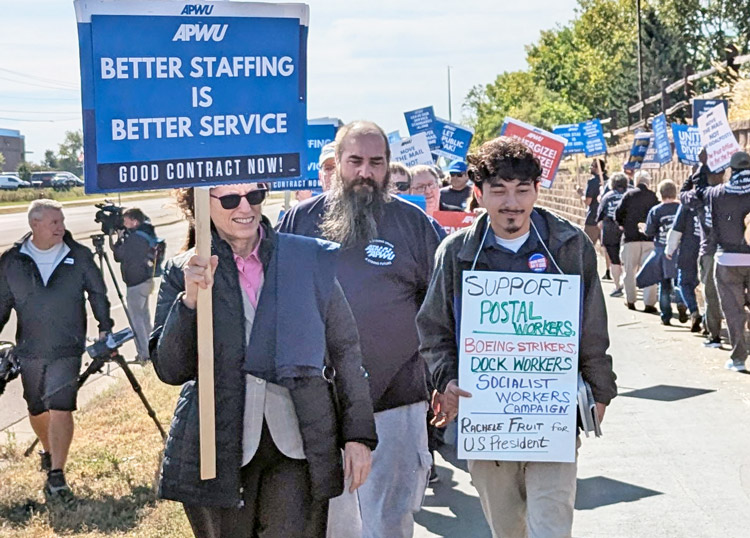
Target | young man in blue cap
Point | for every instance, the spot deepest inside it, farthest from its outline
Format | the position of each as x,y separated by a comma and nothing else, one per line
455,197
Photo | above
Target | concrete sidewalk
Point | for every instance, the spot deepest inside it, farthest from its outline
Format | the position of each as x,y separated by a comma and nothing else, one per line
673,459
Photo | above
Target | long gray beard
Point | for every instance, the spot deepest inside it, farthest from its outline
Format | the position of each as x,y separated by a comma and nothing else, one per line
351,216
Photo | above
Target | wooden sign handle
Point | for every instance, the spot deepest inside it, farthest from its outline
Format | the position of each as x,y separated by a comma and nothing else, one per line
206,401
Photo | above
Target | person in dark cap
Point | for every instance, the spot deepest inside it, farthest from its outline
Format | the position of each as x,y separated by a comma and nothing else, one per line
456,196
729,206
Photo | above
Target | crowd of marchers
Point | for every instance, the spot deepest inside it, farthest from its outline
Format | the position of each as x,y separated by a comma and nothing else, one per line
336,329
674,243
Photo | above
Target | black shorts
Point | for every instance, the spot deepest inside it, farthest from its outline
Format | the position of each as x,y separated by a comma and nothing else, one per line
613,251
50,384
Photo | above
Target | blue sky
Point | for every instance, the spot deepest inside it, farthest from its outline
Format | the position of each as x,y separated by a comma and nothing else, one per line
370,60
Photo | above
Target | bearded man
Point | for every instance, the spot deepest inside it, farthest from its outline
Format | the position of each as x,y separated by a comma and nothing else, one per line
385,267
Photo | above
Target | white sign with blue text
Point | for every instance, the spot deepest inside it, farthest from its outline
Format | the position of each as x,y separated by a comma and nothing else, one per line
178,94
412,151
518,357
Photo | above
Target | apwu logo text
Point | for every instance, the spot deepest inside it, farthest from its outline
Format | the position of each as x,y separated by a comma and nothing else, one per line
193,9
380,252
200,32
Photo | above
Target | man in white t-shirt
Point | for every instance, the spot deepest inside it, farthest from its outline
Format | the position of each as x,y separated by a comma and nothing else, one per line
46,277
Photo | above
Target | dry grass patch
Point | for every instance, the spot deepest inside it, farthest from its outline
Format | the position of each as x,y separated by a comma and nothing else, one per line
112,470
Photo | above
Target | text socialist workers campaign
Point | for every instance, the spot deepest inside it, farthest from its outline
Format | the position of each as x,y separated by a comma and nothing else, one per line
171,99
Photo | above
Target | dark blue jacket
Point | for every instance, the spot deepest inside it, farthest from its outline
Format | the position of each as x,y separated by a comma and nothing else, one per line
173,351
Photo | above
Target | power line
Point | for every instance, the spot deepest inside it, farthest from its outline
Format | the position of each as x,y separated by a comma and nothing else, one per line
14,111
71,85
41,121
45,86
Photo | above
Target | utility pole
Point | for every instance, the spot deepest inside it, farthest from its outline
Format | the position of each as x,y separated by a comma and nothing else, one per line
450,108
640,55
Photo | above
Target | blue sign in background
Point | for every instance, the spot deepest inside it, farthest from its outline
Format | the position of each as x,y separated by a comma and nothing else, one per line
422,120
573,133
687,143
586,137
595,143
453,140
318,135
661,139
230,139
638,150
701,106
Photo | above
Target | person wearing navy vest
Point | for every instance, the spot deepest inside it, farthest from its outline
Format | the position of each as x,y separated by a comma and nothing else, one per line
289,384
386,261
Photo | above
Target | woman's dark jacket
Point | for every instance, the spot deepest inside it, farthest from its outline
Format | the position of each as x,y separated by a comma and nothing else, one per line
173,351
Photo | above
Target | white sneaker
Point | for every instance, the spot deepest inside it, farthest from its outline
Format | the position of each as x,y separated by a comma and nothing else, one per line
731,365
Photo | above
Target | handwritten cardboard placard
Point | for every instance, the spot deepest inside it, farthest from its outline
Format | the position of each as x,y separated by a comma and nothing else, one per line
518,356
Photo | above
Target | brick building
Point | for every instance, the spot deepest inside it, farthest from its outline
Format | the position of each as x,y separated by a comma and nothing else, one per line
12,147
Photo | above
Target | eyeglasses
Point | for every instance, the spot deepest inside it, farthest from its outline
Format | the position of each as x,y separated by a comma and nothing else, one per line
401,186
458,174
232,201
422,189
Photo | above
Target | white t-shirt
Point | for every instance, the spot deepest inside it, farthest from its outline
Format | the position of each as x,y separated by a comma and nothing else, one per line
46,260
513,244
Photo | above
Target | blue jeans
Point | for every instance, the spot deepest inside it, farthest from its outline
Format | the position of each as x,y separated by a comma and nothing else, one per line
666,296
687,284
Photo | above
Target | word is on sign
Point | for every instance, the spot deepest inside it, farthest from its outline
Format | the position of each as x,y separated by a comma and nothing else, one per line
206,94
518,356
547,147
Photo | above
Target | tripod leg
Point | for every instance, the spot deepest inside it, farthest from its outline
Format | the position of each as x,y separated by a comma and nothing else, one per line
139,391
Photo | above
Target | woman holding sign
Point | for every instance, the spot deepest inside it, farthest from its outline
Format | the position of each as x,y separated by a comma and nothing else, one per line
288,379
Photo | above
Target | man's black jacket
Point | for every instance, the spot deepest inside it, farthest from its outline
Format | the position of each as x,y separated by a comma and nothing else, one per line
633,209
52,318
133,251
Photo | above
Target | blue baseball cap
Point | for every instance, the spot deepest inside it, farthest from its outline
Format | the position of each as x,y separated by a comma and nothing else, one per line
457,167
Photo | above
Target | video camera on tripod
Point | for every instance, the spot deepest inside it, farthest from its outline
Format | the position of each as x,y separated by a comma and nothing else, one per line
9,367
110,217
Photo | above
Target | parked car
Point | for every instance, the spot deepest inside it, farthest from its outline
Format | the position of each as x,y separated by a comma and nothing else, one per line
43,179
12,183
66,180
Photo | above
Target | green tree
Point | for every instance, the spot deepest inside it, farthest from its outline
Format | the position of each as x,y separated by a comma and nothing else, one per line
517,95
2,161
50,161
69,150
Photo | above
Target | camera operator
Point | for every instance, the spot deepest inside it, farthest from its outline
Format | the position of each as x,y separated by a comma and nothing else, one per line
45,277
133,249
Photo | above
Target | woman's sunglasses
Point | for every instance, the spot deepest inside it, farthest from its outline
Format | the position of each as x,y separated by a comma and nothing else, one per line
401,186
232,201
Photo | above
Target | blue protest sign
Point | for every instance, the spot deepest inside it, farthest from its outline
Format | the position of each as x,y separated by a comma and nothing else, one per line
573,134
586,137
595,143
422,120
687,143
176,96
416,199
701,106
638,151
318,133
453,139
661,139
394,136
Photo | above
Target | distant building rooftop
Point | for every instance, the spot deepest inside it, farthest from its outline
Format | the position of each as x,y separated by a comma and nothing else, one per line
11,132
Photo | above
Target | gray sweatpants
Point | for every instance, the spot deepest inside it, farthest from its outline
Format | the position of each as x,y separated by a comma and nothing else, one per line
733,284
386,503
137,297
712,313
